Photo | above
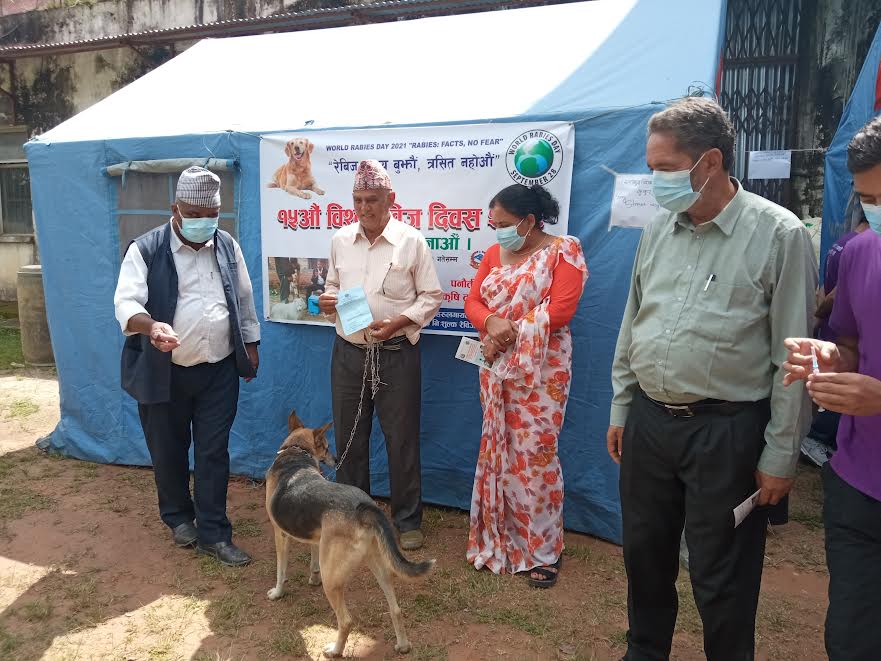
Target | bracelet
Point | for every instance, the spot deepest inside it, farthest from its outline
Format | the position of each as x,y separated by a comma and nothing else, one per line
486,319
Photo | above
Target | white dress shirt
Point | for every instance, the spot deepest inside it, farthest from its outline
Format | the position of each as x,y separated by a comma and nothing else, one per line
397,273
201,318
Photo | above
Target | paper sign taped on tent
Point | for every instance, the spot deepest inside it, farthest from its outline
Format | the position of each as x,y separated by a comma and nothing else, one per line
633,204
770,164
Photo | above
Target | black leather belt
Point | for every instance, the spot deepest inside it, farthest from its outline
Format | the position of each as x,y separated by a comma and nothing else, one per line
702,407
392,344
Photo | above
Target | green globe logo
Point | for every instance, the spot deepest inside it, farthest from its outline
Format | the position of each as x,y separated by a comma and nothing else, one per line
534,158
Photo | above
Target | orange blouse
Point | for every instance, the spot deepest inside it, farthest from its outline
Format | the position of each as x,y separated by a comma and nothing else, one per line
565,292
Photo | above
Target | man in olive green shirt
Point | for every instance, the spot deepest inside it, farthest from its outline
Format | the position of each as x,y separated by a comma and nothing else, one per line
700,418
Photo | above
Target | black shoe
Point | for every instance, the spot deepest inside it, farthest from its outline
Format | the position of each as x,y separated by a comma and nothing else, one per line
227,552
185,535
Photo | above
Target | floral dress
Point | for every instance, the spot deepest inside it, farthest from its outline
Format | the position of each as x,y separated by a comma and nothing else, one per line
517,502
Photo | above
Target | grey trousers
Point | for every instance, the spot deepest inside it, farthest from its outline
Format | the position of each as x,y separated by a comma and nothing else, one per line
398,406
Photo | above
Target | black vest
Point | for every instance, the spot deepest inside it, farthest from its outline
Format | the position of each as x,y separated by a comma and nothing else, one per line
146,371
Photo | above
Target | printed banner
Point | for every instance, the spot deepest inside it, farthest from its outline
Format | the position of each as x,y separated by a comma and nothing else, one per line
443,177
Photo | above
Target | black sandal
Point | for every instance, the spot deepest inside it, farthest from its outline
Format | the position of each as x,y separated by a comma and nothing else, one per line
548,578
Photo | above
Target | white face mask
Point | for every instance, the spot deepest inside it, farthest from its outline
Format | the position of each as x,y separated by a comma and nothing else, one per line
673,190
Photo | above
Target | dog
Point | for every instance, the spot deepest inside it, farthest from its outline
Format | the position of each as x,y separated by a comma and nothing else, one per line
292,311
295,176
342,524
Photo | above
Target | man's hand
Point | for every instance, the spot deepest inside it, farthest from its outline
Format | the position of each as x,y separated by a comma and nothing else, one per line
773,489
327,303
380,331
163,337
254,357
501,333
849,393
614,442
799,362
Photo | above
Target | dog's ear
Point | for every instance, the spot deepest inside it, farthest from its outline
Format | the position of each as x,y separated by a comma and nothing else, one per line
321,431
287,148
294,423
311,146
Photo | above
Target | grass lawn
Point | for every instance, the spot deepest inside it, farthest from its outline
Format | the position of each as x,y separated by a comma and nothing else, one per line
10,348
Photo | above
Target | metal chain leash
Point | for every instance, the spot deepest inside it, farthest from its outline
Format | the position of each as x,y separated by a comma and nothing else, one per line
371,366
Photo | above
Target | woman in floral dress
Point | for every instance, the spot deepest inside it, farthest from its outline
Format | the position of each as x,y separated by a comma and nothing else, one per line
524,295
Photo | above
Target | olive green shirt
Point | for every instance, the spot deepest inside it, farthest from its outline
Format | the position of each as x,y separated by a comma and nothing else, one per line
708,310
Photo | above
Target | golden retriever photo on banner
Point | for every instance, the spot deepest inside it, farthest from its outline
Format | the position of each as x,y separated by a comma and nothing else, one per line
295,176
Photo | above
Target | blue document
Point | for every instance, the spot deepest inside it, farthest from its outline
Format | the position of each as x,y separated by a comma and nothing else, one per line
353,311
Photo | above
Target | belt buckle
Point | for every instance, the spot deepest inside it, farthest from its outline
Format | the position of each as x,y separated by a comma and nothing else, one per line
683,411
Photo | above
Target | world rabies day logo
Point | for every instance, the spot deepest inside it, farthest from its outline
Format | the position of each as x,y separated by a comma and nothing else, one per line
535,157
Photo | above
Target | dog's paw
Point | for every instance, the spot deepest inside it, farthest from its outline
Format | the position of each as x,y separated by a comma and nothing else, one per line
318,190
275,593
331,651
315,578
305,195
402,648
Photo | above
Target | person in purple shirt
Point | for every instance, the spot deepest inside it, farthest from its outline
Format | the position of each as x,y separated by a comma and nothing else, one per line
826,296
820,441
848,380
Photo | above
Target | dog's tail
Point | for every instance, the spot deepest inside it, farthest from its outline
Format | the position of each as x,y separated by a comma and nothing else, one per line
370,515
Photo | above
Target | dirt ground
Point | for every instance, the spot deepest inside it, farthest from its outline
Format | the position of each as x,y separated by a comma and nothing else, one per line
88,571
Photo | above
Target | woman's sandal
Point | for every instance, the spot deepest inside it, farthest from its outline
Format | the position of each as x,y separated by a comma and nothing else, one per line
548,576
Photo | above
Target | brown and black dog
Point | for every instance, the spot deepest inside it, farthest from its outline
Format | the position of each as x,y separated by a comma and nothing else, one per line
295,176
342,524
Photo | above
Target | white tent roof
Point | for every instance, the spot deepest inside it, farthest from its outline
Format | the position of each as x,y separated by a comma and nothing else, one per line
558,58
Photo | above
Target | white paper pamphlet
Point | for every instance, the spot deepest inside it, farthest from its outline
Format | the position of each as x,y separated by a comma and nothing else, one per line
353,311
775,164
742,511
471,351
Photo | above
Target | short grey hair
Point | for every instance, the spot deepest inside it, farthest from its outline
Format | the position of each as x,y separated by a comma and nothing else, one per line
864,150
698,125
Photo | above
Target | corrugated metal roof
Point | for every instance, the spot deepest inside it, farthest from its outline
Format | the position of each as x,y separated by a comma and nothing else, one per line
309,19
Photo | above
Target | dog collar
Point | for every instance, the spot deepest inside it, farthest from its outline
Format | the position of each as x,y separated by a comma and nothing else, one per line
294,447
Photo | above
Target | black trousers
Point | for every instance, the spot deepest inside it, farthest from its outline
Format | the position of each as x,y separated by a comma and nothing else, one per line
284,270
398,406
824,428
853,554
692,472
203,406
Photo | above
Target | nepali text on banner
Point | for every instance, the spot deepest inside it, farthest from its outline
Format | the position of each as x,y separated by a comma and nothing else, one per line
443,177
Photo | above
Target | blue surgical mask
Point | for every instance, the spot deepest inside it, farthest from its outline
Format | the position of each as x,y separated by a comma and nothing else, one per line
673,190
509,239
873,215
198,230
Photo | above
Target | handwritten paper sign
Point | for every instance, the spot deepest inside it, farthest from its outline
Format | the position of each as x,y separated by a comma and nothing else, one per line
770,164
633,204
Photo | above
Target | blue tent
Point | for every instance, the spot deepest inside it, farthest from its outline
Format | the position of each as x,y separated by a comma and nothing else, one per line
605,65
863,105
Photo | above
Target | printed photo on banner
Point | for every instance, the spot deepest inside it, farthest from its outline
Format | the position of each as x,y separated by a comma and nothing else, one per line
443,177
295,283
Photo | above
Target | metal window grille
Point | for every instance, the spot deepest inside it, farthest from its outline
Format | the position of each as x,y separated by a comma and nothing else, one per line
758,87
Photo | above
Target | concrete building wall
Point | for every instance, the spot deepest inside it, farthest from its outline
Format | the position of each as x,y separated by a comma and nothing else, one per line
13,254
836,35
